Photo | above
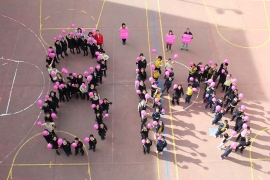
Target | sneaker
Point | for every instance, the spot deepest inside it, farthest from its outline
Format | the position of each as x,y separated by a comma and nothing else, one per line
221,158
90,149
219,148
156,151
155,137
94,150
166,50
161,153
186,49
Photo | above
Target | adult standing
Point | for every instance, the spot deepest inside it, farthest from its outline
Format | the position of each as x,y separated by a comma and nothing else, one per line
99,38
189,33
123,27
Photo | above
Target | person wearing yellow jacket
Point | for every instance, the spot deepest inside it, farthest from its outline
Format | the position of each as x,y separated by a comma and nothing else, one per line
158,64
189,93
156,75
192,71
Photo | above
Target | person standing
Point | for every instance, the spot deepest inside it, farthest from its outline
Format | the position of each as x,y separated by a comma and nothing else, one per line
48,137
167,84
178,92
78,147
147,145
58,49
226,153
244,134
66,147
49,126
93,49
141,106
123,27
218,117
169,46
104,56
105,105
99,38
102,130
225,139
55,144
237,114
189,33
159,129
144,132
189,93
158,64
161,144
245,142
70,41
92,142
84,46
142,63
222,128
64,46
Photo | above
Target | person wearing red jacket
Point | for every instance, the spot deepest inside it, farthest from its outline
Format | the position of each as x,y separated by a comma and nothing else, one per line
99,38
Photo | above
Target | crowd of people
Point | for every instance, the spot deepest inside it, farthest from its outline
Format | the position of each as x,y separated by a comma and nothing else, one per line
70,86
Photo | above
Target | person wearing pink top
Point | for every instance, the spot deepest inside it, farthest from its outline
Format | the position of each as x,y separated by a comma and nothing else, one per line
123,27
243,134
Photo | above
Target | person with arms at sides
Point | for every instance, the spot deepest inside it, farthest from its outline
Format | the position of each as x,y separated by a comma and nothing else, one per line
78,147
92,142
55,144
142,63
123,27
66,147
189,33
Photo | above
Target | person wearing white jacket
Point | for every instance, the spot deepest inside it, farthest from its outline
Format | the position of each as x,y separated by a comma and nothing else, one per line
84,91
104,56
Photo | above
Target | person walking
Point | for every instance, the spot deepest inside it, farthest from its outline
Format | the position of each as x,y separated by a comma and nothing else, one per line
245,142
222,128
147,145
161,144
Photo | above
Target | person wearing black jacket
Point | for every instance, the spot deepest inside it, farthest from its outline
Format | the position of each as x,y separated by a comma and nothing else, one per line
52,51
222,78
78,147
231,96
142,75
159,129
94,79
105,105
143,120
232,105
161,144
237,113
54,98
52,105
167,84
93,49
92,142
66,147
144,132
142,63
219,102
48,137
142,86
210,101
99,118
218,117
58,49
55,144
102,130
156,115
71,78
83,44
158,105
70,41
48,117
103,68
46,108
239,123
99,75
147,145
98,109
64,46
63,94
77,44
178,92
50,61
245,142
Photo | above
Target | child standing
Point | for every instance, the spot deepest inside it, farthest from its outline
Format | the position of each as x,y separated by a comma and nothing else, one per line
169,46
92,142
188,93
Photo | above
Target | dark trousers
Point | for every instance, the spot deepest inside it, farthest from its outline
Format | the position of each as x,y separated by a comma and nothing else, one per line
62,97
65,52
226,154
234,116
68,151
238,137
146,150
228,108
188,98
208,103
166,88
124,40
104,73
59,53
92,147
77,151
71,50
218,133
85,52
159,149
169,46
78,50
239,146
225,88
177,100
215,121
102,135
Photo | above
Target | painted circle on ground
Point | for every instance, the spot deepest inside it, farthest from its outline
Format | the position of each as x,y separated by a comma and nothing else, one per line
184,109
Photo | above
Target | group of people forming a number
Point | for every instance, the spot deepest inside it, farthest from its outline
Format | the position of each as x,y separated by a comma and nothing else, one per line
73,85
208,75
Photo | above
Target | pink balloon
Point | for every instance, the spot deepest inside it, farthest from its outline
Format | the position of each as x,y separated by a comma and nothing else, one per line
59,141
74,74
194,89
210,62
228,75
154,51
244,126
40,103
86,139
137,83
99,58
55,87
241,95
89,78
85,73
66,71
89,39
246,118
147,96
91,69
79,35
234,133
73,85
153,67
53,115
73,25
138,59
59,37
151,79
154,86
207,95
214,100
62,85
74,145
95,41
218,108
49,50
233,88
94,106
226,60
71,34
47,96
163,111
143,112
159,138
100,101
52,74
169,70
49,146
106,115
57,83
54,38
191,63
95,126
167,73
233,145
143,141
93,31
175,86
64,31
223,71
191,79
138,92
45,133
83,86
149,125
137,70
83,31
98,67
202,69
156,100
212,84
155,123
243,108
234,80
209,81
175,56
97,53
39,123
91,94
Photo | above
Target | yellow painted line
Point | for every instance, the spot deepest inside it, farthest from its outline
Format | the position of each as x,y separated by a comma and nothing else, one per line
260,178
148,36
57,12
71,9
51,164
100,13
62,28
260,18
92,17
47,18
83,11
171,119
236,45
250,151
40,23
249,13
261,159
15,156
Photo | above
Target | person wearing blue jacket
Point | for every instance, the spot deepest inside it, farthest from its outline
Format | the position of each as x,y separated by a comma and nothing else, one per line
167,84
226,153
218,103
156,115
161,144
159,129
218,117
210,101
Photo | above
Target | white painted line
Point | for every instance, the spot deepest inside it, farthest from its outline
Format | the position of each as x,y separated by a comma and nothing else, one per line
12,88
4,64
